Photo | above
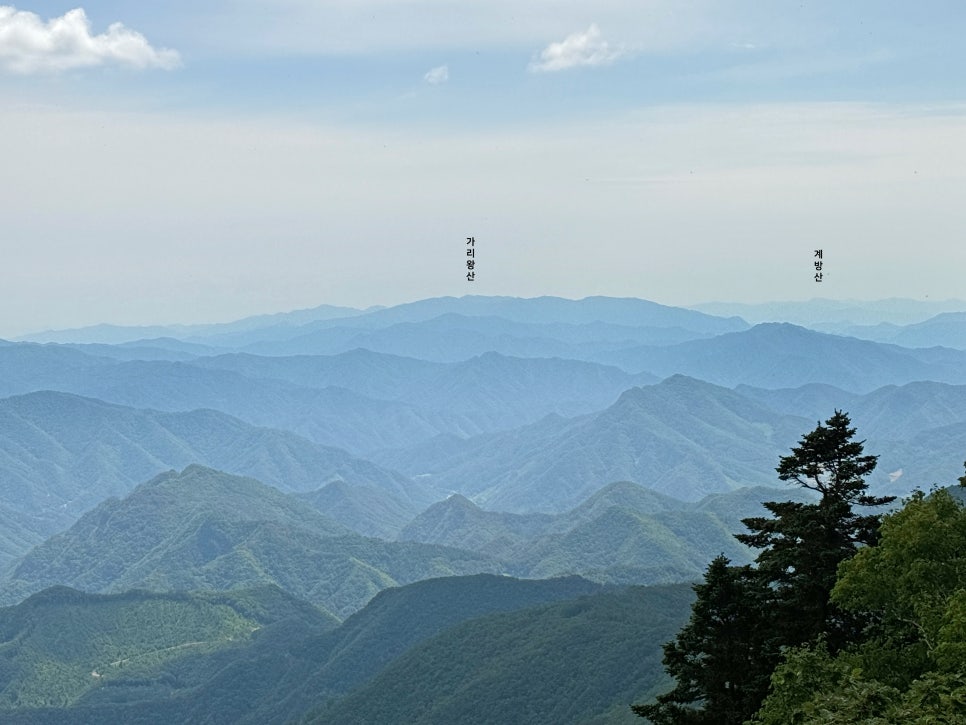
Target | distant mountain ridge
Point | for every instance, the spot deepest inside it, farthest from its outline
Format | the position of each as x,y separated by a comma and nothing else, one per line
779,355
119,334
333,400
688,438
947,329
896,311
682,437
328,527
62,454
631,312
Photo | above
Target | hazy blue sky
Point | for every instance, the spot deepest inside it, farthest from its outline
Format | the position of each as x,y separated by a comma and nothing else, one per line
186,161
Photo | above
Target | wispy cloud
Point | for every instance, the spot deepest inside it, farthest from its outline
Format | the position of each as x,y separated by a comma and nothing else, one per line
29,45
437,75
587,48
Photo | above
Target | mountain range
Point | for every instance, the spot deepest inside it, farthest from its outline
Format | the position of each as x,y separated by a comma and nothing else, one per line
202,529
682,437
62,454
436,512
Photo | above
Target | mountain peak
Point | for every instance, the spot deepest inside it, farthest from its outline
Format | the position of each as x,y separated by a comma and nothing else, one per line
459,500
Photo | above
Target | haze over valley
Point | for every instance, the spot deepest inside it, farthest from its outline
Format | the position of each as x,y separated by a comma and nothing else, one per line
425,476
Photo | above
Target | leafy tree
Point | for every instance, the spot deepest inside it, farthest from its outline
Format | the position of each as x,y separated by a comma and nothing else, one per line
915,581
910,666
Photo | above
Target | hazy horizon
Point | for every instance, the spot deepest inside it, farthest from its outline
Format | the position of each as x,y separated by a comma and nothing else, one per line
185,163
919,309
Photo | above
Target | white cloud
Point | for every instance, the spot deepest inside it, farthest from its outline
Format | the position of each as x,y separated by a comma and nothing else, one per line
578,49
437,75
29,45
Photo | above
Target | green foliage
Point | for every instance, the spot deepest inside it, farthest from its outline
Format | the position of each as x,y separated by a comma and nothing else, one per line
909,665
720,660
802,673
828,461
810,688
914,579
915,583
934,699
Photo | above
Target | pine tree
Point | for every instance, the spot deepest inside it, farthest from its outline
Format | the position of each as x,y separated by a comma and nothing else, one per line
744,616
722,658
802,546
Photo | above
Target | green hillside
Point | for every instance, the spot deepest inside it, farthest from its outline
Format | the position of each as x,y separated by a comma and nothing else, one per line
204,529
623,534
367,510
61,647
399,618
291,662
570,662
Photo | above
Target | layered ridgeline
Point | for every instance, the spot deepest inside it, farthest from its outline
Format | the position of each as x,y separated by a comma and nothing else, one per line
328,414
910,323
484,393
319,330
367,510
947,329
358,400
622,534
777,355
477,649
61,455
688,438
540,321
204,529
684,438
418,393
888,414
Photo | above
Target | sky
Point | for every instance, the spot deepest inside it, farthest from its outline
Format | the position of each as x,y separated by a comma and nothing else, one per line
187,162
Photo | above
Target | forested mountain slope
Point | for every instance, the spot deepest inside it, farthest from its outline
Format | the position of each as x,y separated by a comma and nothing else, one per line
204,529
682,437
61,455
